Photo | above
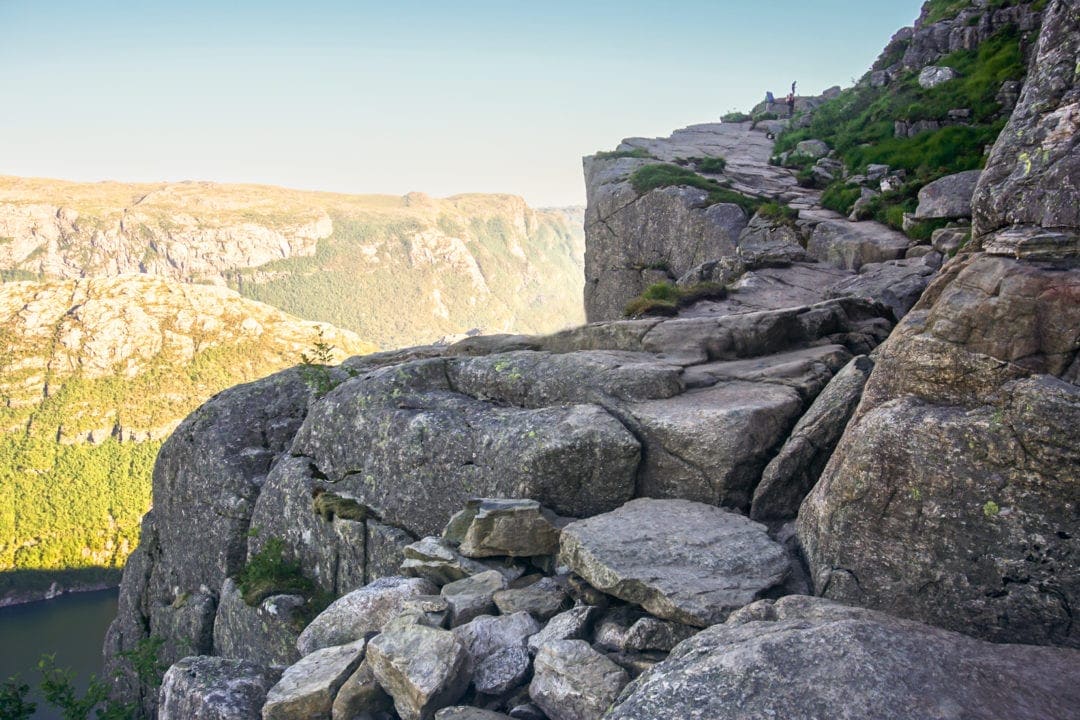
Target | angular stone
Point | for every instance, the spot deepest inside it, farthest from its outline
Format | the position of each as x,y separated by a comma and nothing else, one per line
897,284
847,662
434,559
710,445
385,552
264,634
502,671
571,681
515,528
543,599
850,245
948,197
307,688
680,560
472,596
812,149
360,695
649,633
574,624
465,712
489,634
614,627
932,75
798,465
353,616
950,239
214,688
422,668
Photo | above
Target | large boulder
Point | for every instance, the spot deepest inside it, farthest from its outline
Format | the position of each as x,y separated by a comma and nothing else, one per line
896,283
307,689
574,682
680,560
417,449
948,197
851,245
214,688
933,75
422,668
361,612
515,528
806,657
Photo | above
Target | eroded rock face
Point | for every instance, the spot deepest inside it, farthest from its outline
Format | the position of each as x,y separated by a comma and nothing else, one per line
808,655
680,560
1030,176
264,634
214,688
952,496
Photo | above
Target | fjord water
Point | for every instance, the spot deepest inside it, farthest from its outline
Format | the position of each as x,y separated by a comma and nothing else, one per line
71,626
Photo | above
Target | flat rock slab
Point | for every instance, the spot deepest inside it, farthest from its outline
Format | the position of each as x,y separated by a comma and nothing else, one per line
680,560
811,658
307,689
214,688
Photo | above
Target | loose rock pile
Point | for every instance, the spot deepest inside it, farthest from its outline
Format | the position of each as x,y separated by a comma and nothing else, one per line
512,612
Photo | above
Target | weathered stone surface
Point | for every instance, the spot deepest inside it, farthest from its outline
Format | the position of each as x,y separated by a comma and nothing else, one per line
422,668
385,551
812,149
362,611
709,445
948,240
464,712
214,688
472,596
897,284
807,657
574,624
502,671
433,558
796,468
489,634
264,634
360,694
515,528
1030,176
418,450
307,689
574,682
932,75
680,560
613,628
850,245
649,633
948,197
543,599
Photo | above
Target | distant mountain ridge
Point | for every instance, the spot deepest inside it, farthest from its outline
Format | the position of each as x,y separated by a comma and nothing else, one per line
396,270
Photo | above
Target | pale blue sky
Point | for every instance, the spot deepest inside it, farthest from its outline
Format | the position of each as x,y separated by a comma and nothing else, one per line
442,97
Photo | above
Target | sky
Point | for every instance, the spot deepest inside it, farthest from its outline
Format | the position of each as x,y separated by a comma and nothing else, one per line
390,97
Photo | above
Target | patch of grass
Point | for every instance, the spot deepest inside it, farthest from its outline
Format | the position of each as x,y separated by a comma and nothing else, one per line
615,154
841,197
710,164
938,10
328,505
652,177
735,117
924,229
778,213
666,298
268,573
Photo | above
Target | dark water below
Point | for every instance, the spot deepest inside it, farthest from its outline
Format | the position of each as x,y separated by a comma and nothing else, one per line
71,626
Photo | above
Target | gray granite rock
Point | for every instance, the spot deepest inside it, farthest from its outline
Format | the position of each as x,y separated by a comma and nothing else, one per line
353,616
264,634
948,197
465,712
214,688
808,657
680,560
306,689
932,76
422,668
574,624
543,599
515,528
851,245
360,695
434,559
572,681
472,596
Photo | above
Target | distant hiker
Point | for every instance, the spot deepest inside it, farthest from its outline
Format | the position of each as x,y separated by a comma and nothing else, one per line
791,105
770,100
793,87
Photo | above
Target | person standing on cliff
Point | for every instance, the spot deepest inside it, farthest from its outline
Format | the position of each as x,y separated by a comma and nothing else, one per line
770,101
791,105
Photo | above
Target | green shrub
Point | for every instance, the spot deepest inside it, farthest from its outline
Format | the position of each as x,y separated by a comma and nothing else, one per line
666,298
652,177
13,702
841,197
269,573
735,117
938,10
614,154
710,164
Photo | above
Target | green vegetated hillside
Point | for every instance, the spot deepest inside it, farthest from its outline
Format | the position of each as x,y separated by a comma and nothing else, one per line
93,375
397,270
860,124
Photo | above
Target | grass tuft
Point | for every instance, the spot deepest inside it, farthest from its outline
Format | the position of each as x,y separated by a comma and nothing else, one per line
652,177
666,298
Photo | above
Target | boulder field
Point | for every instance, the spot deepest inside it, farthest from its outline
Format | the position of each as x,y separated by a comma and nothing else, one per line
844,486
